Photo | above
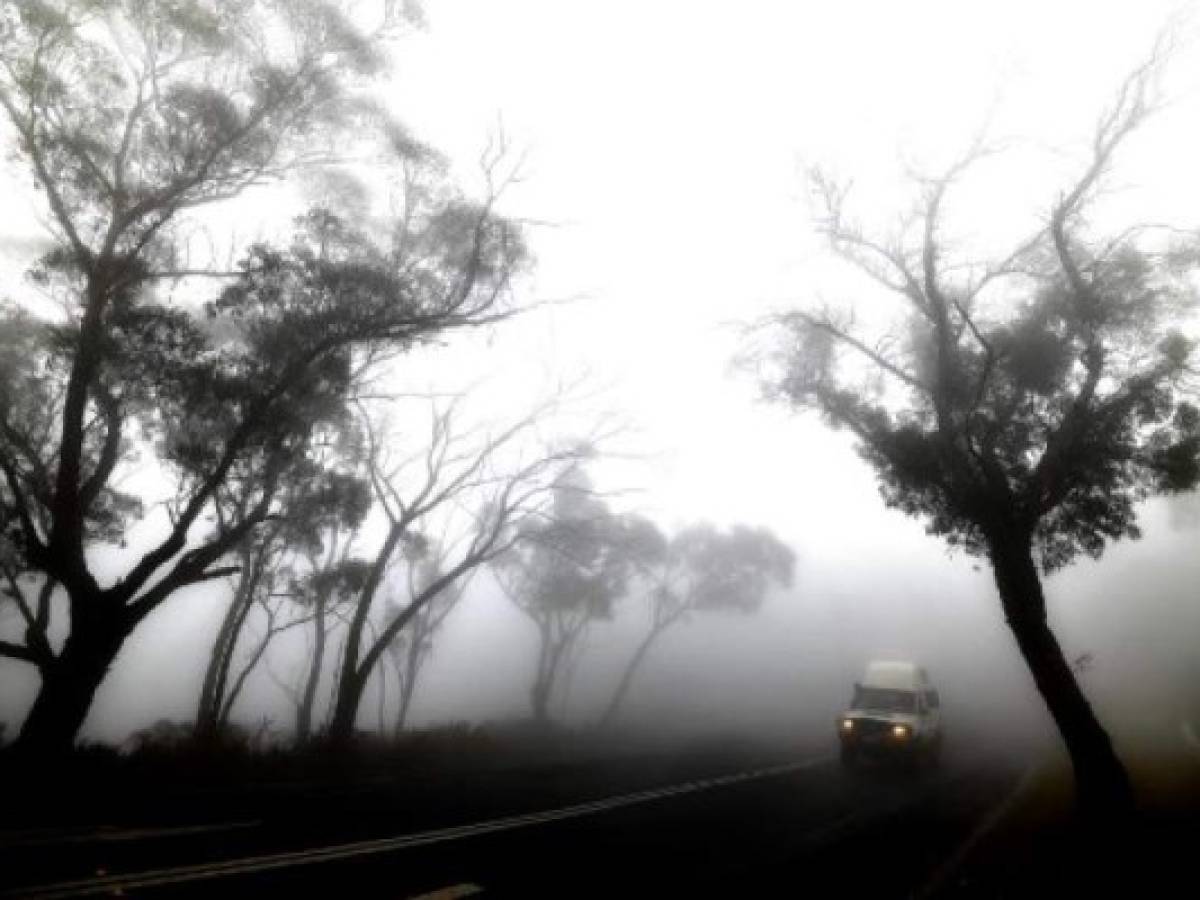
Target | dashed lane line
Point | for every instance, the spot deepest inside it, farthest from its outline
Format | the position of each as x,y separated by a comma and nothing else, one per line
453,892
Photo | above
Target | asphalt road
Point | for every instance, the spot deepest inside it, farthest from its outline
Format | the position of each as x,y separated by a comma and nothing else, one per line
640,828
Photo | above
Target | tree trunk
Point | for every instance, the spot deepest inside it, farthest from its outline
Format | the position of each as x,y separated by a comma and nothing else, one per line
539,700
356,672
71,681
234,691
407,676
216,676
350,685
406,696
546,676
305,708
618,697
345,711
1102,784
381,699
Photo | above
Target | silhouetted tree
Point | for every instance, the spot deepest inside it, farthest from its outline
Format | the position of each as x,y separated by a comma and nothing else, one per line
565,573
491,477
128,115
324,591
412,647
320,501
1030,404
28,395
699,570
330,586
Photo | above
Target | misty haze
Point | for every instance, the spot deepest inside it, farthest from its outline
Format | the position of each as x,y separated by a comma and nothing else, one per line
520,448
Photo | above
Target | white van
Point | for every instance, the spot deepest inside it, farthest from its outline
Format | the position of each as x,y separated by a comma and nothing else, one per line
895,713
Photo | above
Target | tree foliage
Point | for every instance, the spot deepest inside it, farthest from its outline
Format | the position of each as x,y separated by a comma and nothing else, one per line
129,116
1040,391
1023,405
566,572
700,569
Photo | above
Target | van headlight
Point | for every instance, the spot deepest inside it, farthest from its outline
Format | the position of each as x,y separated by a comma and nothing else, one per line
847,724
900,731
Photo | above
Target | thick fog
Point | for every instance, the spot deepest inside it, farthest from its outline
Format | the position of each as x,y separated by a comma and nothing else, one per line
780,674
664,151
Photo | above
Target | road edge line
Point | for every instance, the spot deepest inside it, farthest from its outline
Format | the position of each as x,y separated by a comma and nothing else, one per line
943,873
315,855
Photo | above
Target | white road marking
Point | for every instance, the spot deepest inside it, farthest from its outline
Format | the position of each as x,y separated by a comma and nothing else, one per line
251,864
943,873
453,892
828,833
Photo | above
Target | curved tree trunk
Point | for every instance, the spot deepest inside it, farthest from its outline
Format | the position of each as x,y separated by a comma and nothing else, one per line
352,679
234,691
550,657
304,709
407,688
1104,791
355,673
407,677
345,710
639,656
216,676
539,701
70,682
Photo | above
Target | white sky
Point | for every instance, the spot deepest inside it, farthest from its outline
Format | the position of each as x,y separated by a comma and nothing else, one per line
666,143
668,140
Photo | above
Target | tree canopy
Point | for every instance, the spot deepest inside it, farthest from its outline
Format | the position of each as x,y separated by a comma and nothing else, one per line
1040,391
1021,405
128,115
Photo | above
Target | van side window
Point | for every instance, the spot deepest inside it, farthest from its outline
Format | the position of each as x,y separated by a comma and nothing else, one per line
931,699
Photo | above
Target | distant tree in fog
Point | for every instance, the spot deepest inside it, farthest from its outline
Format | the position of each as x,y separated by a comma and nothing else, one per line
699,570
128,116
478,489
413,646
1026,404
566,572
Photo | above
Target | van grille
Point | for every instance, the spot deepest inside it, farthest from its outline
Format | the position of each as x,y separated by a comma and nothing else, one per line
871,728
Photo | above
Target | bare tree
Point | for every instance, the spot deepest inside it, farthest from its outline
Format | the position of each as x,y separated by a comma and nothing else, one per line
329,588
700,570
323,591
413,646
253,583
128,118
279,616
566,572
321,502
1031,403
489,484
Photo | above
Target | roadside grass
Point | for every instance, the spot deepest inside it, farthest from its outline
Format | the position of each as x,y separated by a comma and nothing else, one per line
166,775
1040,847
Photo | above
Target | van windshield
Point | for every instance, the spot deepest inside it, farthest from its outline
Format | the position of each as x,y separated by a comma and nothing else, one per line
885,699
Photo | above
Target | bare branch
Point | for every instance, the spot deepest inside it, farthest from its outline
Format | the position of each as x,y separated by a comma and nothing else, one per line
826,325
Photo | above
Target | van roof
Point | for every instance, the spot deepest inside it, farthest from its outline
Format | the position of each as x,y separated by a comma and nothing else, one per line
896,674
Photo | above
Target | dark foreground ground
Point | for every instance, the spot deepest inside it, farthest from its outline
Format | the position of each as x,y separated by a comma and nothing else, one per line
724,818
